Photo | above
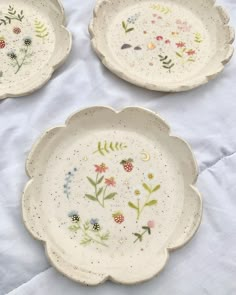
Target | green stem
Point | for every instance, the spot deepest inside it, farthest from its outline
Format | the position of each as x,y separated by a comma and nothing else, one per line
141,236
103,197
94,240
96,191
20,65
146,201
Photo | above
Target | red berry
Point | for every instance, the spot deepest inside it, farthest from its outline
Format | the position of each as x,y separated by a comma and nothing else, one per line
17,30
128,165
118,217
2,43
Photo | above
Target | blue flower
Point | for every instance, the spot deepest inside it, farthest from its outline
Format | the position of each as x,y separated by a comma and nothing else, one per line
94,221
73,213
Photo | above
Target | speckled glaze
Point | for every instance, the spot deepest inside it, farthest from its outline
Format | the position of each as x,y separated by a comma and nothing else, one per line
173,45
33,43
110,194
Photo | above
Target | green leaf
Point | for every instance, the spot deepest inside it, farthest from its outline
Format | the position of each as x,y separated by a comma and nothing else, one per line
178,54
129,30
99,191
100,180
91,181
145,227
137,235
105,148
110,196
100,149
111,146
151,203
131,205
74,228
147,187
167,62
156,188
124,25
117,146
90,197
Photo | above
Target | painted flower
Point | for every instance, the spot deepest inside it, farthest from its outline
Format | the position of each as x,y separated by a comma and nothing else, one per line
27,41
110,181
159,38
16,30
12,55
191,52
151,46
151,224
72,213
167,41
101,168
153,21
137,192
180,44
174,33
95,224
74,216
150,176
93,221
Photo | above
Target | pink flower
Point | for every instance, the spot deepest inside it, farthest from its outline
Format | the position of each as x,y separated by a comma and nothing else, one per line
151,224
191,52
153,22
180,44
110,181
101,168
159,38
167,41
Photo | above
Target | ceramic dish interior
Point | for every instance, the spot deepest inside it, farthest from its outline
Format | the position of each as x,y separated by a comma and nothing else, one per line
33,43
171,45
110,194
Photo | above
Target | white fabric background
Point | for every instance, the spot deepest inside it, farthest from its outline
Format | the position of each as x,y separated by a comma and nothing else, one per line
205,117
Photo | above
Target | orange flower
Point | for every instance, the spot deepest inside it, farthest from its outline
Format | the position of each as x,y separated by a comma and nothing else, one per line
110,181
101,168
180,44
191,52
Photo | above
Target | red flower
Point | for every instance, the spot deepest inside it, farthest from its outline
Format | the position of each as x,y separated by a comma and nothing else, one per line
191,52
180,44
159,38
167,41
100,168
110,181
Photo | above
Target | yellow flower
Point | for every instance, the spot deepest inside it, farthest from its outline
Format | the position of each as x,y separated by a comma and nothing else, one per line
137,192
150,176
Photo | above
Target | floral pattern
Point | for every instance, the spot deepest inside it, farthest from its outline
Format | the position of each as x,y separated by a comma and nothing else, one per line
68,180
101,186
91,230
146,229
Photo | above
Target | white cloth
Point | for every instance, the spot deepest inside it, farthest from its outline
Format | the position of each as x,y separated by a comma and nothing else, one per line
205,117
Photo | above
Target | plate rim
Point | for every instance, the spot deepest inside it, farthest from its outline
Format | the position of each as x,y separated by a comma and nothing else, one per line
198,81
166,250
48,70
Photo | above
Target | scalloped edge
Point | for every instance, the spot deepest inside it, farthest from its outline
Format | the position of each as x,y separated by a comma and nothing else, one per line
48,70
166,251
194,83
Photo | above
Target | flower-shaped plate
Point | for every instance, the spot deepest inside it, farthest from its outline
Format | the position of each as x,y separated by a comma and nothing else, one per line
110,194
173,45
33,43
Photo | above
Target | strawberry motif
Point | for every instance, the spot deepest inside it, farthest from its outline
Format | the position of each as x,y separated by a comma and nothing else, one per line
16,30
2,43
128,165
118,217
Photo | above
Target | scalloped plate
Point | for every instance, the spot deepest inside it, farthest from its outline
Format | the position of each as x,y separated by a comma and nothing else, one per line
173,45
110,194
33,43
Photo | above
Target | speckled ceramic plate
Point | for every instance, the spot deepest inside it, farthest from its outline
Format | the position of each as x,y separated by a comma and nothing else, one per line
33,43
110,194
171,45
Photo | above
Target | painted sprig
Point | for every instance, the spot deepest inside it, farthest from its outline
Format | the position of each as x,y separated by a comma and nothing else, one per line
145,202
11,15
146,229
101,186
108,147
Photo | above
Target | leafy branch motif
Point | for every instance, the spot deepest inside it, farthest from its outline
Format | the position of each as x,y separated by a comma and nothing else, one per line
91,230
184,53
161,8
166,62
67,184
125,26
146,229
40,30
27,42
12,15
198,38
106,147
149,190
100,190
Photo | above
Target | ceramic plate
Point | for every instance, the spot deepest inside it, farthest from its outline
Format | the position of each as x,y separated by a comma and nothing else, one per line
110,194
33,43
172,45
